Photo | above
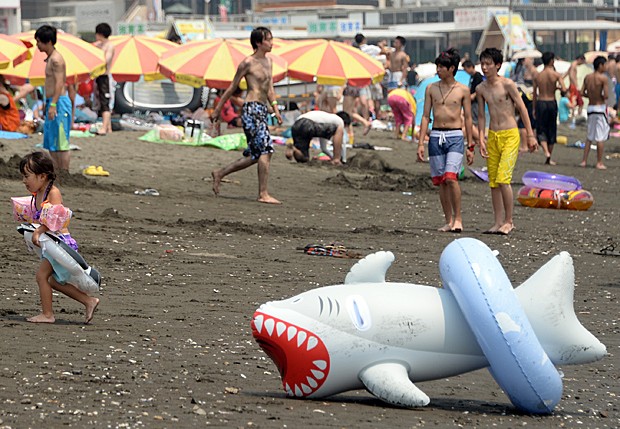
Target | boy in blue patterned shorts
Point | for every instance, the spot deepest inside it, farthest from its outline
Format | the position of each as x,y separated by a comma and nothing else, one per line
260,97
447,98
58,108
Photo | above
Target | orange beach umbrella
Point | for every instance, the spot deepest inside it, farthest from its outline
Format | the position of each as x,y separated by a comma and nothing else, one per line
211,62
330,63
82,59
12,51
136,56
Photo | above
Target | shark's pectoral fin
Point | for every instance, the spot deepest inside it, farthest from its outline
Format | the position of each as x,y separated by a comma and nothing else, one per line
390,383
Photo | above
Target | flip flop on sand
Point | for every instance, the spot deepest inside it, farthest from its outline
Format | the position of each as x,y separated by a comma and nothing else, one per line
148,191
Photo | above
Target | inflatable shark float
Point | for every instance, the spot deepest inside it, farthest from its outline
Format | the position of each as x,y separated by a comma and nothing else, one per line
68,265
368,333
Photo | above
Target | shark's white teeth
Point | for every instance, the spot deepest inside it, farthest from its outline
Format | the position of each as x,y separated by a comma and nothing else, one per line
275,328
320,364
269,325
280,328
258,323
301,337
317,374
312,382
291,332
312,343
298,392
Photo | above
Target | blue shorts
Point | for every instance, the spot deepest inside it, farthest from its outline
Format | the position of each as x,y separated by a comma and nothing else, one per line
445,150
254,120
56,132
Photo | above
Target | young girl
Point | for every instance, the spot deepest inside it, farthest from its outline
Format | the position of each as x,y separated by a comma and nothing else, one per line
38,175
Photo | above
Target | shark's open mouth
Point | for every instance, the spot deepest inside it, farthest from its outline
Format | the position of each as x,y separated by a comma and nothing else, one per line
301,356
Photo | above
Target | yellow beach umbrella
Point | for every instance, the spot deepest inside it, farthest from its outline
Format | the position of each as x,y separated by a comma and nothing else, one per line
211,63
330,63
82,59
12,51
136,56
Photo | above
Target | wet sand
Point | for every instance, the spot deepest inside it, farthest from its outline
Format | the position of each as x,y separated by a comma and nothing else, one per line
170,344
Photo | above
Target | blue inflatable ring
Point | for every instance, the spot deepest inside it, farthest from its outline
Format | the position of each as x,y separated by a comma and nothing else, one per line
470,270
542,180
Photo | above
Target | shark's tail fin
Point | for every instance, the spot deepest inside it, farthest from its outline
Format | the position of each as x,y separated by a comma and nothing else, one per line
547,298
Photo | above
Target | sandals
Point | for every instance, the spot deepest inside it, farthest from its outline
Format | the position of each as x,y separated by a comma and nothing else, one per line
93,170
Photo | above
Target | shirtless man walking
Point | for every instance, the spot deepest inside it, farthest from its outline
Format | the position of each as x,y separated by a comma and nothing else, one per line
502,148
447,98
596,88
256,69
58,106
545,108
398,64
105,83
573,88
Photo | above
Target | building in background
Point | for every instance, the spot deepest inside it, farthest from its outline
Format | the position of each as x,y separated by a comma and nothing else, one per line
10,16
567,28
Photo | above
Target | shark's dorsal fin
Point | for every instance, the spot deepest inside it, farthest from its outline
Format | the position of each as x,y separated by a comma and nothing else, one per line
547,298
390,382
371,269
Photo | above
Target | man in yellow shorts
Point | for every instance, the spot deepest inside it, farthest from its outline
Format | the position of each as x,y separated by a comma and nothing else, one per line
502,148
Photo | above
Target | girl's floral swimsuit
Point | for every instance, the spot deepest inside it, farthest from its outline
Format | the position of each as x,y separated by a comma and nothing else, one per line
66,238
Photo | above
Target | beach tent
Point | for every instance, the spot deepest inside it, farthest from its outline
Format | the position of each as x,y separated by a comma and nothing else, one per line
506,31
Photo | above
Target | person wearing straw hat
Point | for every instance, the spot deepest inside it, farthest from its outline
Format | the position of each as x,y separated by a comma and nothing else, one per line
58,107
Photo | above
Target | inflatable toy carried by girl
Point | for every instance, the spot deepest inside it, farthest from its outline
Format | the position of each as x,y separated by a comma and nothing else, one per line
548,190
45,233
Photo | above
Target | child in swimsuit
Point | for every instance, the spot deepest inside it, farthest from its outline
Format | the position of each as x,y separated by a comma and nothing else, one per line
38,175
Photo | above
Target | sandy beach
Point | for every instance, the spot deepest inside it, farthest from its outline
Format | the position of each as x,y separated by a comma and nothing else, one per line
170,345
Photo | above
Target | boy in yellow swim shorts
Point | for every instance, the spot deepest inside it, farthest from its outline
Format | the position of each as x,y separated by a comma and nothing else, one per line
502,148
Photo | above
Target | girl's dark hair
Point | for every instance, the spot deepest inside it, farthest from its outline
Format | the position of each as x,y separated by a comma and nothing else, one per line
38,163
258,35
448,59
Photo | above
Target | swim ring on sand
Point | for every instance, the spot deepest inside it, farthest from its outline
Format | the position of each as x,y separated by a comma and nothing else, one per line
490,306
69,266
555,198
540,179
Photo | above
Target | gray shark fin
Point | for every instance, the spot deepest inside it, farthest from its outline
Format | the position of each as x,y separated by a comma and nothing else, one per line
389,381
371,269
547,298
